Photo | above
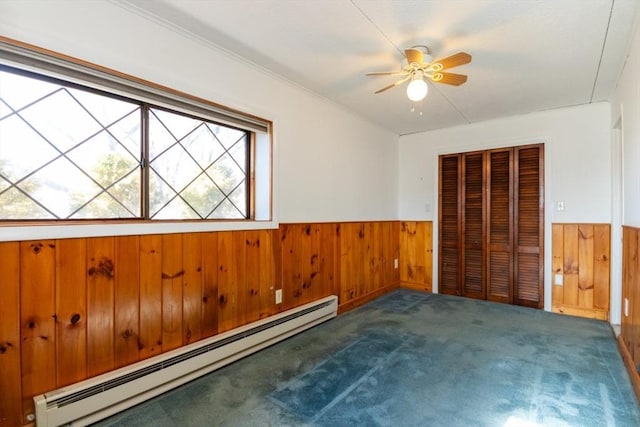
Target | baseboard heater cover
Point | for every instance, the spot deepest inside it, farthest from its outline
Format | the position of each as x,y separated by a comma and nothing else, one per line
91,400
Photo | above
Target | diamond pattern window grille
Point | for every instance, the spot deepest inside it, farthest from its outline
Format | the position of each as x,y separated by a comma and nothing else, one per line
197,169
68,152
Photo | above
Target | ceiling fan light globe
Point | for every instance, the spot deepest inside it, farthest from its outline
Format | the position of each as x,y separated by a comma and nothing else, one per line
417,90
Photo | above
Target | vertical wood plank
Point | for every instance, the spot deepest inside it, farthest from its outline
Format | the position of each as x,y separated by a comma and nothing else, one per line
601,265
633,256
292,259
348,264
127,299
365,249
37,307
327,248
373,243
309,254
210,284
172,276
10,346
635,294
150,341
571,263
100,305
557,262
407,251
428,263
313,280
227,292
286,253
625,324
387,252
362,251
395,248
301,248
277,274
393,243
252,308
362,259
267,279
585,265
192,291
239,277
337,259
421,251
71,311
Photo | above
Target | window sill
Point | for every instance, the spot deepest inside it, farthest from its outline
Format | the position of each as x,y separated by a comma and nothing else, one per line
71,229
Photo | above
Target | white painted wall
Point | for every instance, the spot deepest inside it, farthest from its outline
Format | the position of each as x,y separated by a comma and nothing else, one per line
329,164
577,165
625,121
625,106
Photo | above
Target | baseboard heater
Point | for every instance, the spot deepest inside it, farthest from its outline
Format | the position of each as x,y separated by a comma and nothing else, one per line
91,400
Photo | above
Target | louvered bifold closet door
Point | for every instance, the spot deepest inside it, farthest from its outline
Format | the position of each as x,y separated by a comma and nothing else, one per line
473,219
449,217
500,226
529,221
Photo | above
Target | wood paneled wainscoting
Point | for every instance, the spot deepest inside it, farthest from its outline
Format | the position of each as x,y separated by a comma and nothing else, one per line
75,308
353,260
581,269
629,339
416,255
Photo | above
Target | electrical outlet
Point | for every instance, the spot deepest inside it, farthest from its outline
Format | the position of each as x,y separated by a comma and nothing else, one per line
558,279
395,263
278,296
626,307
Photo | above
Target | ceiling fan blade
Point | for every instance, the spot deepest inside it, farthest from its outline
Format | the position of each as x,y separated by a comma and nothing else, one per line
414,55
449,78
456,60
386,73
393,84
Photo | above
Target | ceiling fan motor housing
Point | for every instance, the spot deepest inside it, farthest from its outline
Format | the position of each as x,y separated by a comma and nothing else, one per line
418,54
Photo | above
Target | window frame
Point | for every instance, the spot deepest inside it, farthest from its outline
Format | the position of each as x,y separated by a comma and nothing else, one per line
48,65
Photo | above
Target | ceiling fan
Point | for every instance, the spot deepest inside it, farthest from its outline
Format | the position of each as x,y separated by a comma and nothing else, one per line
421,66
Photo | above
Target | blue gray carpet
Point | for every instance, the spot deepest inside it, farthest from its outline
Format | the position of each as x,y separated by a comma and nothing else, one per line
415,359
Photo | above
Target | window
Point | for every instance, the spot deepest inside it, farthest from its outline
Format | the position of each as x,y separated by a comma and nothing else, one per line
197,169
110,149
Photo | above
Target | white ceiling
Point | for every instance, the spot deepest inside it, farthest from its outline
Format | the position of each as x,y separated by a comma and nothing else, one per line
528,55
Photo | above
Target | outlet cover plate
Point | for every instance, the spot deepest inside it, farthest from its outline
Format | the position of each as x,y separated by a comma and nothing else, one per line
558,279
